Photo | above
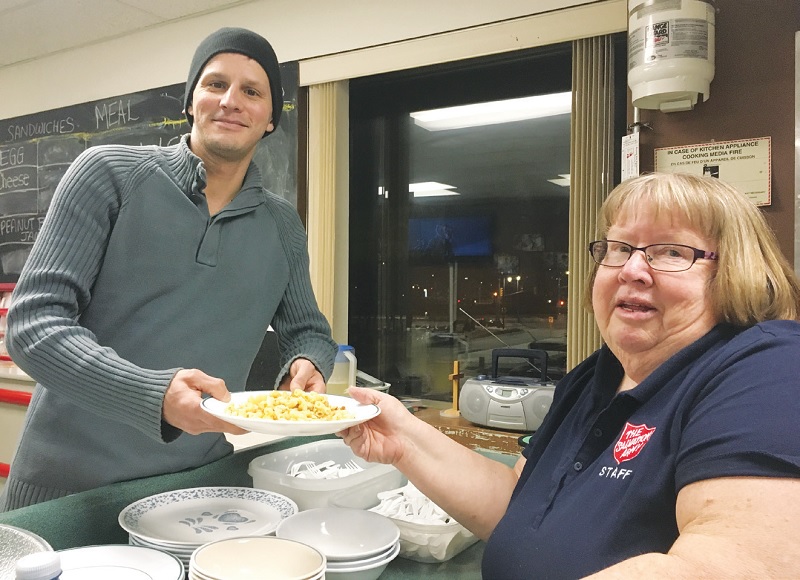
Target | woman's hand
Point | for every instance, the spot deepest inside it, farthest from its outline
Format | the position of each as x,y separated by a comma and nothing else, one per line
384,438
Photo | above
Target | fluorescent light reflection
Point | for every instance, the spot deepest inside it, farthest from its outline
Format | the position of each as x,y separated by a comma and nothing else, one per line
431,189
562,180
494,112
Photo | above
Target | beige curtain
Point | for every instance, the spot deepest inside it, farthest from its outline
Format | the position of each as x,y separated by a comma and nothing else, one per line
328,198
591,173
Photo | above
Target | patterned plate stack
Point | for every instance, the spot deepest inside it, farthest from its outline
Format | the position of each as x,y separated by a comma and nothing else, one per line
181,521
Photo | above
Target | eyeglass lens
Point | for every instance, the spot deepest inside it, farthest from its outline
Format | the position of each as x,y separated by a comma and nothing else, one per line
667,257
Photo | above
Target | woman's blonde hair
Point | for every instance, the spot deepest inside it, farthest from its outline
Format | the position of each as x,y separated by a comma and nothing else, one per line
754,281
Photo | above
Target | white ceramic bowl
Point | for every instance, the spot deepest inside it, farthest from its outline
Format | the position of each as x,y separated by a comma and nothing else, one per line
363,571
254,558
194,576
381,557
341,533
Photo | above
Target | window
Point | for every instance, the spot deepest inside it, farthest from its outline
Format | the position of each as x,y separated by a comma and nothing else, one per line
458,237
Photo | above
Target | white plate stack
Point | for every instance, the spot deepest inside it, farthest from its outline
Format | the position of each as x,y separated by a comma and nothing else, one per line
181,552
119,562
180,521
255,558
357,544
367,568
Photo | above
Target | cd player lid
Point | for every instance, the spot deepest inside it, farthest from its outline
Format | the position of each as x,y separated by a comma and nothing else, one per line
509,381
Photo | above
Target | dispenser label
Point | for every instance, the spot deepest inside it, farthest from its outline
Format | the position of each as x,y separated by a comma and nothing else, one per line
676,38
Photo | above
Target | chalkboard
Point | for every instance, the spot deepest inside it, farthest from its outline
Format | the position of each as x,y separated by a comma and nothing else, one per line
37,149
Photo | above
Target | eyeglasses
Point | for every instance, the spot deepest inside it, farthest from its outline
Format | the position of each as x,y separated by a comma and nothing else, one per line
661,257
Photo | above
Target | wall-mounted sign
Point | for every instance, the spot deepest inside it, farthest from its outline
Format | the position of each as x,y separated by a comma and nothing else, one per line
630,156
746,164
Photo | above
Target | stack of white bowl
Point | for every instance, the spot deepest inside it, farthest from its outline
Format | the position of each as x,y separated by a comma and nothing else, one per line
357,544
255,558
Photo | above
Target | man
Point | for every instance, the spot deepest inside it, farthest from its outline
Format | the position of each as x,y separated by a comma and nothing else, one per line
152,283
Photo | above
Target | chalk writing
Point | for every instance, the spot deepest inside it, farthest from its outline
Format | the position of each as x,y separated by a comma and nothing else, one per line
19,229
12,180
115,113
18,132
12,156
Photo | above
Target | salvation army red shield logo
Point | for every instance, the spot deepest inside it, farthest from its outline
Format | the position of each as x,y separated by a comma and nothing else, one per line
632,441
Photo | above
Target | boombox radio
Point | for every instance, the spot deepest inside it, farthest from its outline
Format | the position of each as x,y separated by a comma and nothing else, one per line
512,403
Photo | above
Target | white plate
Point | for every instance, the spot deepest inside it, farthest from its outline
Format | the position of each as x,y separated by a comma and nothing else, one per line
120,562
14,544
200,515
360,414
181,552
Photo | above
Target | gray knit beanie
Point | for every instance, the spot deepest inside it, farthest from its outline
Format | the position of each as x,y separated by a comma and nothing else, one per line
242,41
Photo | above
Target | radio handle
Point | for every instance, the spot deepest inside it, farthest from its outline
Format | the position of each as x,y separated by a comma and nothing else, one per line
534,355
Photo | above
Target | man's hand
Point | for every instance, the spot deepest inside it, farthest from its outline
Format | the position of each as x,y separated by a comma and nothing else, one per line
182,403
303,375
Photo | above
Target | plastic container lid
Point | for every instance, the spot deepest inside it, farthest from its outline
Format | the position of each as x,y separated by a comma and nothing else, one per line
343,347
39,566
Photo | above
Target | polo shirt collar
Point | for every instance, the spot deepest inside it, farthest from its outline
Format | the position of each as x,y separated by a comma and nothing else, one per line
611,371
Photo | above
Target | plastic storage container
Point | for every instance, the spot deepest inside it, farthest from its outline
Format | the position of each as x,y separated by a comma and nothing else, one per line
344,370
370,382
419,542
270,472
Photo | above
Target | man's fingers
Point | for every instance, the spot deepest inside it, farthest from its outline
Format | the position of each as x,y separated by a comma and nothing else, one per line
210,385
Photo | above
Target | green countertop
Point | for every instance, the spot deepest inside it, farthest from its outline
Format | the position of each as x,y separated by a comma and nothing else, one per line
90,518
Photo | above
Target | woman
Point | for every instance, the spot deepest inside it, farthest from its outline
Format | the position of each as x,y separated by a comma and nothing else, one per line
672,451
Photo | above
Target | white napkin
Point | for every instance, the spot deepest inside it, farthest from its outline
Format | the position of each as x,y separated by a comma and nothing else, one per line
409,504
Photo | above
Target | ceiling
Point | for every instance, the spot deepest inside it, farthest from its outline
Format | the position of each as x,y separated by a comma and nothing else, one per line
65,24
506,160
514,159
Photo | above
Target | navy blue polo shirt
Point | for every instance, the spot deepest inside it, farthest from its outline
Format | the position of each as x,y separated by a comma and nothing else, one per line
604,469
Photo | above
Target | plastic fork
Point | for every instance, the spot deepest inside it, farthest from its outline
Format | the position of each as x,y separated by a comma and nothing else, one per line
296,468
353,467
308,470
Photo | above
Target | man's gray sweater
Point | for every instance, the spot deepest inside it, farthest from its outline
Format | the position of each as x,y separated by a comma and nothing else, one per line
131,280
